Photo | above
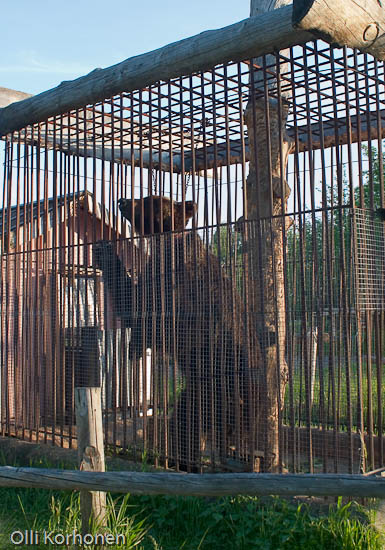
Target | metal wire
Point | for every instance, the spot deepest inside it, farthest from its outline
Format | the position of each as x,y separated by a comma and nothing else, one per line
162,306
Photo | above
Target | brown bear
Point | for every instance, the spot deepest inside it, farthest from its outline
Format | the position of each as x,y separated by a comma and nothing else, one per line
158,213
187,310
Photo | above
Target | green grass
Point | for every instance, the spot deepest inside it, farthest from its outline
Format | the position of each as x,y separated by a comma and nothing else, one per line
191,523
247,523
41,510
170,523
341,397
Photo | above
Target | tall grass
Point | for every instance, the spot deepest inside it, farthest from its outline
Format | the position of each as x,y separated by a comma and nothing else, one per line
190,523
340,385
248,523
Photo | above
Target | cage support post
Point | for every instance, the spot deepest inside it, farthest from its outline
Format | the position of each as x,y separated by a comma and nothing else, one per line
267,193
90,452
344,22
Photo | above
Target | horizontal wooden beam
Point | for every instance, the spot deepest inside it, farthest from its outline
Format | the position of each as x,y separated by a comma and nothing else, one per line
340,131
356,24
344,22
249,38
334,132
195,484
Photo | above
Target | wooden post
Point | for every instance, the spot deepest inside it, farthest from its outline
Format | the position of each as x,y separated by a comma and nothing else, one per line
267,194
90,452
344,22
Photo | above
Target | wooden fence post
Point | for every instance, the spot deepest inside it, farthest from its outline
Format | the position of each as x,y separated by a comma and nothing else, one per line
90,452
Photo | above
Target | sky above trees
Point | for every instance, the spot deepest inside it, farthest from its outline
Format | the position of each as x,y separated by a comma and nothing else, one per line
45,42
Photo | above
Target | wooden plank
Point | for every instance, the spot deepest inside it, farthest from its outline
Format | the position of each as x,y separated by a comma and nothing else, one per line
344,22
195,484
369,125
73,139
369,129
248,38
89,427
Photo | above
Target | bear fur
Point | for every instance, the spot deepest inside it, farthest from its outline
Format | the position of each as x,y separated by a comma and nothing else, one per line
184,307
158,213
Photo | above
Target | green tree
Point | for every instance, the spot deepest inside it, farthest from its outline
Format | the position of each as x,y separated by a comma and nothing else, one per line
371,184
227,245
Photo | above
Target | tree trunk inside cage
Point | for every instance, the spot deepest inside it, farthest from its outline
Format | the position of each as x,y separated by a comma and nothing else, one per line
267,194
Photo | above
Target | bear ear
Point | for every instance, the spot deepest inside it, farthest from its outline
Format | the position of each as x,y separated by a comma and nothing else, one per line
190,209
125,207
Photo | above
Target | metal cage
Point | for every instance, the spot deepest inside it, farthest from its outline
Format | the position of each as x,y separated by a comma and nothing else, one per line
171,320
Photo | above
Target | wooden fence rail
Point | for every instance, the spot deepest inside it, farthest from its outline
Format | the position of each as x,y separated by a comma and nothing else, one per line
195,484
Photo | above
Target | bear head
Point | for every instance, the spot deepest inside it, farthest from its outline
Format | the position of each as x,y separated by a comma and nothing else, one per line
158,209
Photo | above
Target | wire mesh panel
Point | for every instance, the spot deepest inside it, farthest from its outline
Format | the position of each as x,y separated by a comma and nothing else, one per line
206,251
370,261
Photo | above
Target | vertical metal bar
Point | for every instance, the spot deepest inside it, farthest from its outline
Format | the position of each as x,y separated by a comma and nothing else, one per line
301,284
379,342
54,285
232,373
325,239
3,325
24,270
307,366
243,386
18,300
69,226
5,250
208,354
113,235
144,245
175,434
369,316
62,282
201,380
360,394
369,370
33,239
125,373
219,373
378,315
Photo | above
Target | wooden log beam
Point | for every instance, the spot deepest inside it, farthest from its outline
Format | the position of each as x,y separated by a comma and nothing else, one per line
357,24
335,132
248,38
145,483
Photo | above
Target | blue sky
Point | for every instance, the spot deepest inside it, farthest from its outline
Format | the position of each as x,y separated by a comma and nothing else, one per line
45,42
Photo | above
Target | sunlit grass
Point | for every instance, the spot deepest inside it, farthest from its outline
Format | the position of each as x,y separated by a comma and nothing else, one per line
324,407
192,523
